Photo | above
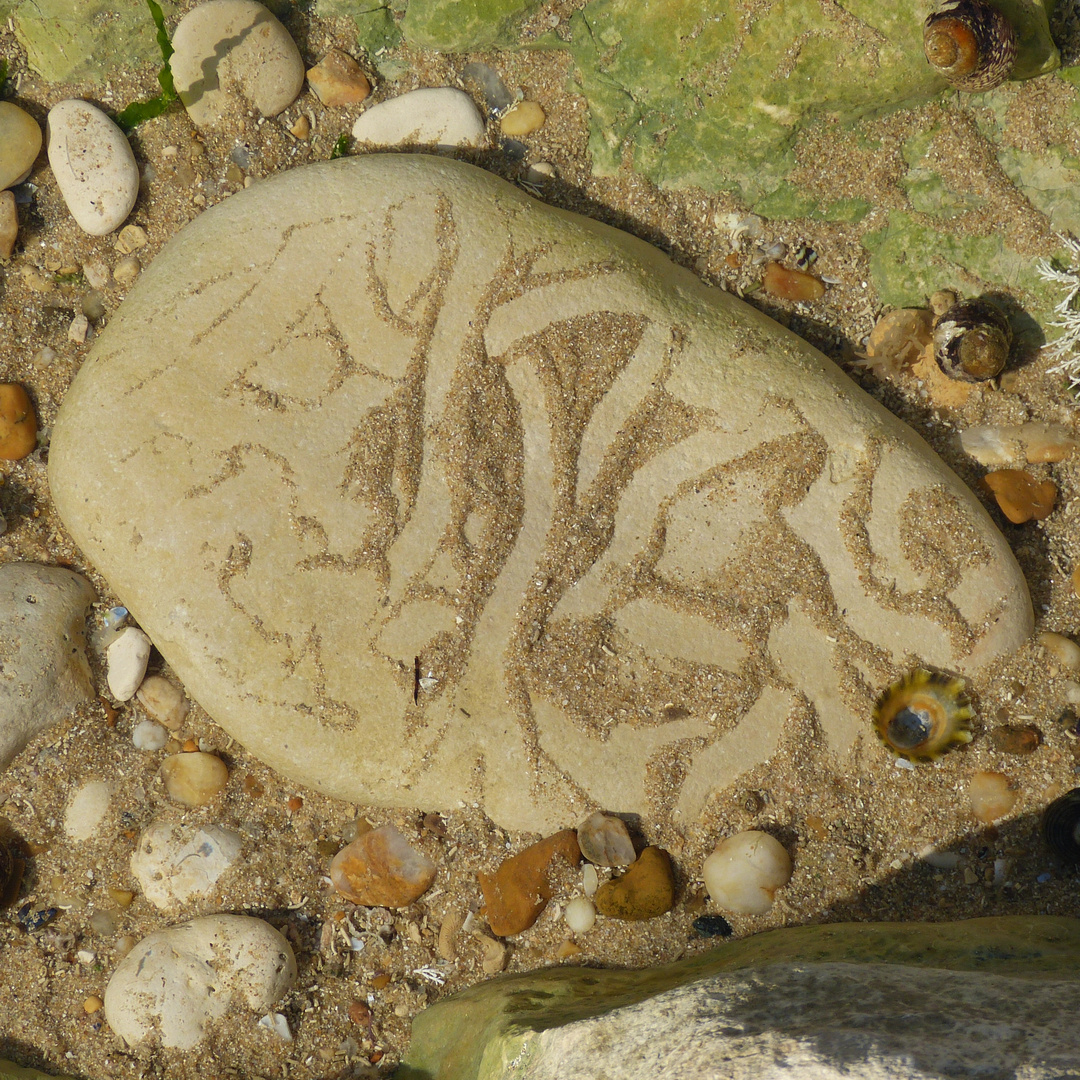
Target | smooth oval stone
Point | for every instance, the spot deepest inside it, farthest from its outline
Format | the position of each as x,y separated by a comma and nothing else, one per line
163,701
93,164
231,54
437,116
405,449
605,841
127,657
193,779
20,141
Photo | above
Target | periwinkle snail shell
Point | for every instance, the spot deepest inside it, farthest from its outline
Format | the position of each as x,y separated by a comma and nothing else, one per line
971,44
1061,825
972,341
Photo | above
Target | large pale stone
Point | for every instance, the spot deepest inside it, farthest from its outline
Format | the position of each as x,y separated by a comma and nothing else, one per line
406,450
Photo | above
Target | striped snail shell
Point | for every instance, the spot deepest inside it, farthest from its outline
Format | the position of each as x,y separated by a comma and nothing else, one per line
972,341
1061,825
971,44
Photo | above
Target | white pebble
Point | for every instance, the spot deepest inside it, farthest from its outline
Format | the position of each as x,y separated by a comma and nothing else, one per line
174,863
590,880
276,1023
79,328
580,915
438,116
149,736
940,860
127,657
1063,649
230,54
93,164
744,872
87,809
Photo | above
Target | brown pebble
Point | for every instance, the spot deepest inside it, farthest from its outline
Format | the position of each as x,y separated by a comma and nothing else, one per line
646,890
9,224
435,825
360,1013
523,119
520,889
92,1004
190,746
121,897
295,803
791,284
381,980
301,129
1020,496
1016,739
817,827
381,869
253,788
18,425
338,80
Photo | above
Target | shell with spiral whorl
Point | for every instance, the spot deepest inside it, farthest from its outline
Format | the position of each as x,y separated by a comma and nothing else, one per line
1061,825
971,44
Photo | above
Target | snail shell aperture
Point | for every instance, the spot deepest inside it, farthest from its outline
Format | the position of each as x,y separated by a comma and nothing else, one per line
971,44
972,341
1061,825
922,715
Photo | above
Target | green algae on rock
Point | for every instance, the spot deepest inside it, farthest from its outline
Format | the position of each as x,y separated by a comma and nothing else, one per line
465,25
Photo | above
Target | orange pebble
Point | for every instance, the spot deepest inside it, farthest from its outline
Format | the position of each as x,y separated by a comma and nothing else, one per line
1020,496
791,284
295,803
18,425
381,981
376,1057
190,746
733,260
92,1004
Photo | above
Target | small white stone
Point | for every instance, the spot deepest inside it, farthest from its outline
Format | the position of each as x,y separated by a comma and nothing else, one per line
127,657
744,872
173,985
163,701
79,328
590,880
93,164
87,809
276,1023
149,736
174,863
439,116
580,915
96,273
229,54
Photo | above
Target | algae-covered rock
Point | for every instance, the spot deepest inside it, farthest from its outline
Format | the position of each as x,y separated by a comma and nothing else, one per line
818,1000
465,25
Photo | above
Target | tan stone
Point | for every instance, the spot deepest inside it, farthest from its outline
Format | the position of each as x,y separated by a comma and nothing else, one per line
381,869
20,141
194,778
529,443
18,424
516,894
338,80
9,223
646,890
523,119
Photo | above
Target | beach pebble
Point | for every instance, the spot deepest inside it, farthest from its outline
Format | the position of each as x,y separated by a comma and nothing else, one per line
1015,739
149,736
381,869
1020,495
43,645
174,863
232,54
712,926
18,424
791,284
439,116
991,795
78,329
163,701
590,880
126,658
1006,444
605,841
20,141
744,872
520,889
177,982
193,779
338,80
93,164
645,891
9,223
96,273
131,238
1064,650
127,270
523,119
580,915
493,954
87,809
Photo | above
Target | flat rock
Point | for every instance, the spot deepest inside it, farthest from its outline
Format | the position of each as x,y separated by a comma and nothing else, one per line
231,55
436,116
93,164
174,862
512,439
20,141
177,982
44,673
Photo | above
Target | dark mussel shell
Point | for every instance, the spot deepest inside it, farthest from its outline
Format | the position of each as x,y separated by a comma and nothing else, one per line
1061,826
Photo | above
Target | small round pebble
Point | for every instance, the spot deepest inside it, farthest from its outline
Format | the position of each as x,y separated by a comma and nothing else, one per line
991,795
789,284
20,141
163,701
580,915
149,735
232,54
131,238
127,658
523,119
18,424
744,872
712,926
436,116
1064,650
92,1004
127,270
87,809
93,164
193,779
1016,739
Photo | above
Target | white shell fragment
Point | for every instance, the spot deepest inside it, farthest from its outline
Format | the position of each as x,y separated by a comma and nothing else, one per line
174,863
438,116
175,983
744,872
127,657
230,54
150,736
276,1023
93,164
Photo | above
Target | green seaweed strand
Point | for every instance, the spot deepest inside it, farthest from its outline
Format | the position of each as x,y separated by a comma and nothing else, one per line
138,111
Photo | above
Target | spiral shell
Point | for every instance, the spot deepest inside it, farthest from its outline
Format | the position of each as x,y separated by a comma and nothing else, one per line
922,715
972,341
1061,825
971,44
